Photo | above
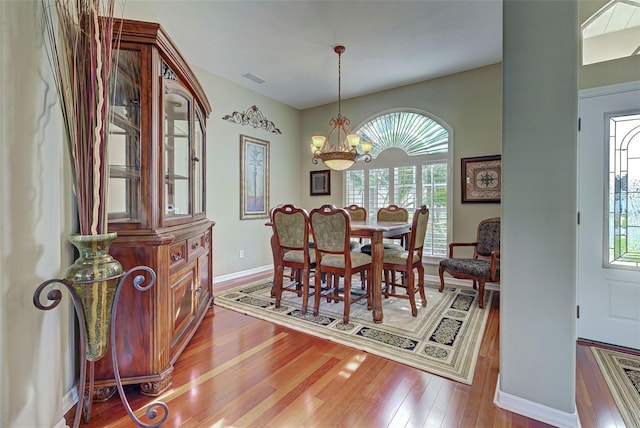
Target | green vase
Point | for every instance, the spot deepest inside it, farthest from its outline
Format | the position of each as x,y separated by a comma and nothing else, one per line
95,276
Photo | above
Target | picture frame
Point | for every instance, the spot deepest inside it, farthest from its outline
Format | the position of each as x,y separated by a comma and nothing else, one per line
481,179
254,178
320,182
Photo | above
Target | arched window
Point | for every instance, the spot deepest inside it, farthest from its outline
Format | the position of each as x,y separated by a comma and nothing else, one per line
410,168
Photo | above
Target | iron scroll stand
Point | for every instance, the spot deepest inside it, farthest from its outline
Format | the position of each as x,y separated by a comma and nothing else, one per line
84,403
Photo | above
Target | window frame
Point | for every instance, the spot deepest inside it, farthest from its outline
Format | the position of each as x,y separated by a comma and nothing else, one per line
395,157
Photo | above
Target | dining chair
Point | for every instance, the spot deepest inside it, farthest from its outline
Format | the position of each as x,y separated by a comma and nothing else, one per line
330,228
391,213
356,213
407,261
483,266
291,245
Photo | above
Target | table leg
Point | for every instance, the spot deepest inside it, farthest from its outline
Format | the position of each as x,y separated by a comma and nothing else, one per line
375,282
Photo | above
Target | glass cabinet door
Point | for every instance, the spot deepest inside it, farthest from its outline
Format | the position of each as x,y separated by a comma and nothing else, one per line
198,170
177,153
125,199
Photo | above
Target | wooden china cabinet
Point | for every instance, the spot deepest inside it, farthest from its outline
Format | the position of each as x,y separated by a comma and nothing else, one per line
157,193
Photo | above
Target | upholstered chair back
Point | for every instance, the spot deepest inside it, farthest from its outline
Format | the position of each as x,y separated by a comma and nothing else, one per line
330,227
291,227
419,227
356,212
393,213
488,236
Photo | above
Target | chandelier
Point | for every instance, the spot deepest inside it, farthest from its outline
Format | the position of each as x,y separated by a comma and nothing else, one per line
344,153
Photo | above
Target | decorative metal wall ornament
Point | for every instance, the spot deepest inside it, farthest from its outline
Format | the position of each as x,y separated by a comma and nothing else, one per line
254,117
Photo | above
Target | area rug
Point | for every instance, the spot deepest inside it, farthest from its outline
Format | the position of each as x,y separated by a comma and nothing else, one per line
622,373
443,339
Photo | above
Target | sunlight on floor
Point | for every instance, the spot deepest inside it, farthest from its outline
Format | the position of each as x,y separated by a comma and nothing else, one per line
352,366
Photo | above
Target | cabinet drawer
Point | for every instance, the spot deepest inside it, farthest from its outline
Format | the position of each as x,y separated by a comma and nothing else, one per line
197,245
177,254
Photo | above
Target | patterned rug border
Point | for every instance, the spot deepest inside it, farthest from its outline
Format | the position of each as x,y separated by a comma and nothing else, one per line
612,364
455,362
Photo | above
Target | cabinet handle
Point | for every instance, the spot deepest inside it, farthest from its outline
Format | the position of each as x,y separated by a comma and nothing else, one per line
176,256
206,239
195,159
199,291
195,245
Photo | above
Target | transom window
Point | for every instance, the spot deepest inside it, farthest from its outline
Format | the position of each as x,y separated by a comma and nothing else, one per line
624,190
612,32
410,168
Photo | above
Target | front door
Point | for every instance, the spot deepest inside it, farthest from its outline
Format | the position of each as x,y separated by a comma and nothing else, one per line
609,214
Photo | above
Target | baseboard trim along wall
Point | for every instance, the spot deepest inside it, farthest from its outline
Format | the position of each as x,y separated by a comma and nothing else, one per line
534,410
240,274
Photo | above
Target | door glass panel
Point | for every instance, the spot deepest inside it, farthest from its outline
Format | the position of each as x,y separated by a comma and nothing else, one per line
177,159
124,139
624,190
198,170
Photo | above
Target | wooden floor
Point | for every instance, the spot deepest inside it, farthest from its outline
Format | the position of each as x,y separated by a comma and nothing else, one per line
240,371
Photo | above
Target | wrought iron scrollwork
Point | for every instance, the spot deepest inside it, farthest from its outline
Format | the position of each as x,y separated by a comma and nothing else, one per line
156,410
254,117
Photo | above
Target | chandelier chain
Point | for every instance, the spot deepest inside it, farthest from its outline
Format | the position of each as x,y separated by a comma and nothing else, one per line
339,82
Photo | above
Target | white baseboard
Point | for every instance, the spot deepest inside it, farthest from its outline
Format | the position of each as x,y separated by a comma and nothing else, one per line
69,400
61,424
242,273
535,410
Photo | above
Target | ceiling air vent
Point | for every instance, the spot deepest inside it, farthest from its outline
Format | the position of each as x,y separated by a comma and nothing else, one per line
253,77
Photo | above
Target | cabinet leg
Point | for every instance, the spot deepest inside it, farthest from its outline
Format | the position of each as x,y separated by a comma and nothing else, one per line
156,387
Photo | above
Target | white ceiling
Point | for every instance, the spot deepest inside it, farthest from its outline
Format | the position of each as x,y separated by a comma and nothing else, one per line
289,44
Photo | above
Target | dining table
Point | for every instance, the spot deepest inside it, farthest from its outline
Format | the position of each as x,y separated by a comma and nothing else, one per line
375,231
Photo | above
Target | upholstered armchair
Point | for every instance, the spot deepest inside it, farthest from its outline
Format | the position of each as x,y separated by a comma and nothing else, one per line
485,263
291,249
330,228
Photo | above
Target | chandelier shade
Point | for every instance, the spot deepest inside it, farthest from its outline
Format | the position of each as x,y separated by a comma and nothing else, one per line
344,153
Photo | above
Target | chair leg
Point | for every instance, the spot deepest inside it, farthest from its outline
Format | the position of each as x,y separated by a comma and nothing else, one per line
277,284
368,290
441,273
305,290
387,282
411,279
423,297
393,282
316,292
347,298
481,293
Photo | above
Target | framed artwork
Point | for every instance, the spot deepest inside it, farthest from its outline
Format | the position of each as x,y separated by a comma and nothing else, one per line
481,179
320,182
254,178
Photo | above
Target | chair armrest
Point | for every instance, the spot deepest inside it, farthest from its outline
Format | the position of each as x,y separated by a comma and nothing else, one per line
495,257
460,244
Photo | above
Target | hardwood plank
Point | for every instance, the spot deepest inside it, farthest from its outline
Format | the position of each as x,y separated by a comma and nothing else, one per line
242,371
